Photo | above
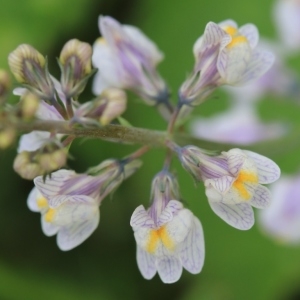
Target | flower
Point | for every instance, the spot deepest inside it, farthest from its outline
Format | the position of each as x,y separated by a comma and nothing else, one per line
69,202
240,125
287,20
281,220
127,59
168,236
225,54
232,182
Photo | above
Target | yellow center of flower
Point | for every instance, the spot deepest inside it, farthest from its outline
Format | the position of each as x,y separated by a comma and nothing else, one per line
41,202
156,236
239,183
49,216
236,37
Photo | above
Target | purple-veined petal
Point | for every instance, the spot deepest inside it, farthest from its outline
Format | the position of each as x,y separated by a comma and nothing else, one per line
52,186
73,235
146,263
32,141
48,112
192,250
58,200
140,218
49,229
239,216
268,171
261,196
221,184
235,160
228,23
169,268
172,208
259,64
251,33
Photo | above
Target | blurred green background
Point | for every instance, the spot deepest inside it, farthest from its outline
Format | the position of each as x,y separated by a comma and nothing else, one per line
238,265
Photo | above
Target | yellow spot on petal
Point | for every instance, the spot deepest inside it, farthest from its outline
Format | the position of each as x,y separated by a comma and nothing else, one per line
41,202
101,40
237,40
158,235
231,30
49,216
239,183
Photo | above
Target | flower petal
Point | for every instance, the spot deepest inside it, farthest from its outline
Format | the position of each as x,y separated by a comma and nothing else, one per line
268,171
259,64
146,263
192,252
32,141
73,235
48,228
235,160
239,216
32,200
52,186
261,196
140,218
228,23
221,185
172,208
251,33
169,268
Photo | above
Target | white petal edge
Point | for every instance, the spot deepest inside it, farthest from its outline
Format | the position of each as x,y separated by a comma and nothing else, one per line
192,251
250,31
71,236
31,200
239,216
169,268
48,228
261,197
146,263
172,208
140,218
268,171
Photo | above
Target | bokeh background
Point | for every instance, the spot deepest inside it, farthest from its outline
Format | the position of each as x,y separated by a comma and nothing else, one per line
238,265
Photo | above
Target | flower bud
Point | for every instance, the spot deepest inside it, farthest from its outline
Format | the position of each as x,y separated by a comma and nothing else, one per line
29,105
5,84
7,137
30,67
26,167
75,63
54,160
116,105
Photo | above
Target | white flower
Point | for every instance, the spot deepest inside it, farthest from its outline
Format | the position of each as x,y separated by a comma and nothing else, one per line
239,124
168,236
127,59
281,220
287,21
225,54
69,202
233,182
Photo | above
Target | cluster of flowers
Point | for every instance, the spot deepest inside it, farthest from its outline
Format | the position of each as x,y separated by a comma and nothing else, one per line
168,236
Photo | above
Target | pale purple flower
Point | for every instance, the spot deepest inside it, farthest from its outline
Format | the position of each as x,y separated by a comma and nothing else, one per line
281,220
69,202
240,125
127,59
233,182
168,236
287,21
225,54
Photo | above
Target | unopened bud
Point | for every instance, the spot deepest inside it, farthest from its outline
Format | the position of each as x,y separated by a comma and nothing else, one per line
53,161
116,105
5,84
75,63
26,167
7,137
30,67
29,105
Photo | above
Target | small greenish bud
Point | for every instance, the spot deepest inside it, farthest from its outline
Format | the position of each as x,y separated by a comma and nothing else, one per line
26,167
116,102
5,84
75,64
53,160
29,105
7,137
30,68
